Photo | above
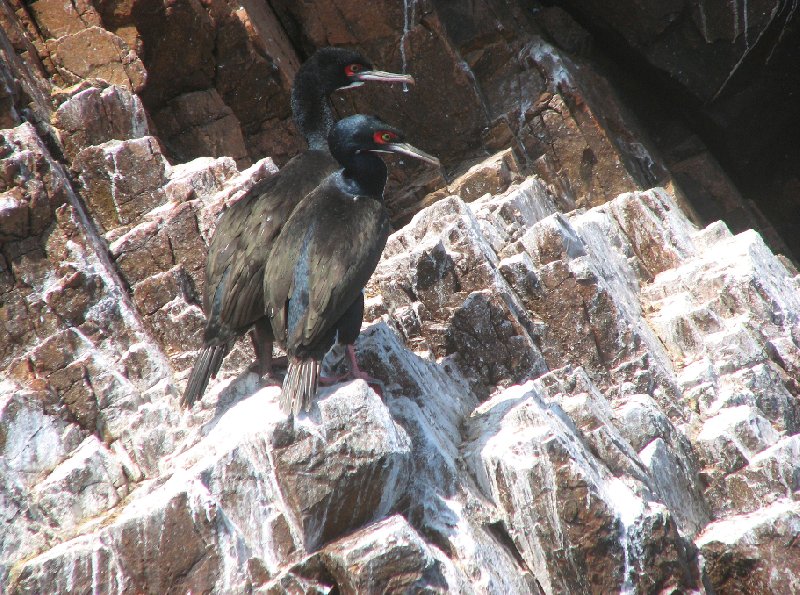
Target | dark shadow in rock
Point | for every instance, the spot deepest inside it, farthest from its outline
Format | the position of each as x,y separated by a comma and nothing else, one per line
499,531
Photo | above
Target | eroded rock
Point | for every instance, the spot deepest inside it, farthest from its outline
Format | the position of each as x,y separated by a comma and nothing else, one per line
332,498
94,116
569,397
96,53
562,508
389,556
122,180
735,550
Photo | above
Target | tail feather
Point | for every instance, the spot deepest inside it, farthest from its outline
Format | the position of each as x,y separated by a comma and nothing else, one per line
206,365
300,385
216,359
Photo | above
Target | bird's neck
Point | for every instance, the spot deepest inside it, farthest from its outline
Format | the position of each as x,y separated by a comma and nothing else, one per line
311,110
365,174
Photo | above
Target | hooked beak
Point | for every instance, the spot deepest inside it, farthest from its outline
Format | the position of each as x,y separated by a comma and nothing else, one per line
384,77
411,151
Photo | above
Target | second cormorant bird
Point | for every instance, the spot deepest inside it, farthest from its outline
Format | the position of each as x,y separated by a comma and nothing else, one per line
327,251
233,295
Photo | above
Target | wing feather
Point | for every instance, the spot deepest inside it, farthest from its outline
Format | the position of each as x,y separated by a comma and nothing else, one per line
340,241
243,239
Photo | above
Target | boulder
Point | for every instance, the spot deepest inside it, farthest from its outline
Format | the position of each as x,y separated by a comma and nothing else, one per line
736,550
94,116
332,499
122,180
94,53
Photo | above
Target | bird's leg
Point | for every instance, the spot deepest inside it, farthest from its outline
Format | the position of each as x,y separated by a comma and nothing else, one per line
357,372
329,380
333,379
262,345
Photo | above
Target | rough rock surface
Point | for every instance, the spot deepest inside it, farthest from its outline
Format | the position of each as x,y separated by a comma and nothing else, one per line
726,65
584,390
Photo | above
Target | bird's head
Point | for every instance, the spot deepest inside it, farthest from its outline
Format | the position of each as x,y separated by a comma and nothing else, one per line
362,134
339,68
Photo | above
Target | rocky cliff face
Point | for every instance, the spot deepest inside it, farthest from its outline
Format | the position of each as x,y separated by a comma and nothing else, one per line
590,385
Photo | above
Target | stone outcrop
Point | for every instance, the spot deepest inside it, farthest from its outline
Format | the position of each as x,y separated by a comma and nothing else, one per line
587,385
728,67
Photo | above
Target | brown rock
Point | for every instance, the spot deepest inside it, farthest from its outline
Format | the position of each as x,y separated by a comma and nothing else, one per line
178,326
73,294
186,242
171,237
489,344
199,124
583,166
441,273
266,61
96,53
276,138
260,18
73,385
56,19
32,186
142,251
56,352
169,30
507,81
8,114
385,557
25,59
67,324
94,116
657,248
492,176
165,548
236,66
450,122
13,215
180,559
122,180
332,496
168,305
754,553
156,291
601,518
205,180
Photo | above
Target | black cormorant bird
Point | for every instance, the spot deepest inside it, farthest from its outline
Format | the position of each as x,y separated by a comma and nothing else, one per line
327,251
233,295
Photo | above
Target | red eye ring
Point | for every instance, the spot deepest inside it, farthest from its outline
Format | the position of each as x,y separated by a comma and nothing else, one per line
352,69
381,137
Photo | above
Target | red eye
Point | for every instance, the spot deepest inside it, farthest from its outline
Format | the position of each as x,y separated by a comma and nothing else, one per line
382,137
352,69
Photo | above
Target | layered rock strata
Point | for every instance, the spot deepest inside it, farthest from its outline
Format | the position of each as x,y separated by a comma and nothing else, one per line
583,390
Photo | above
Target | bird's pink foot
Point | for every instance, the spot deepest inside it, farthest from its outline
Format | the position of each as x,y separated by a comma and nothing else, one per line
357,373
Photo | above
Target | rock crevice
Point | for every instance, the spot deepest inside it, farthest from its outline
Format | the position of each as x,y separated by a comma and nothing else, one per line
587,385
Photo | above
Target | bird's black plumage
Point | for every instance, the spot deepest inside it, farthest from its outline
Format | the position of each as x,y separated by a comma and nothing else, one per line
327,251
233,296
